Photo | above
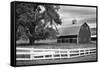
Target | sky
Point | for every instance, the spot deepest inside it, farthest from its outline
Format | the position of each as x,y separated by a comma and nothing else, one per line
81,14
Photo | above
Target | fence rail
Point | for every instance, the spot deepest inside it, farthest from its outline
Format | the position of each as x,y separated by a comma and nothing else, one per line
40,53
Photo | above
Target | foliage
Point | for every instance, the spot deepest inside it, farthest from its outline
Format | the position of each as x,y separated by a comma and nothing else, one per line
36,23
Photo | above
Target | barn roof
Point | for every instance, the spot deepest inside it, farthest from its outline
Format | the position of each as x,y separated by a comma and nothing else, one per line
72,29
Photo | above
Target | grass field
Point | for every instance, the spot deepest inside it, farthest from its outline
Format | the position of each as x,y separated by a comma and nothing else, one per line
61,46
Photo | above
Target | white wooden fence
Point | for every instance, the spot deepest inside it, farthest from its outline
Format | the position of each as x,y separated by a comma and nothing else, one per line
38,54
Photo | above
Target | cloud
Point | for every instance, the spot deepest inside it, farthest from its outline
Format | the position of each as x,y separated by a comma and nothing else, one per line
91,20
82,14
77,11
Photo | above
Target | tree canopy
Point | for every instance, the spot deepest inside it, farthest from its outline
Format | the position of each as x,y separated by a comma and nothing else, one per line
37,21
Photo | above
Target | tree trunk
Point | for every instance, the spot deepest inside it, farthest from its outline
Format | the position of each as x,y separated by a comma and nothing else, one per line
31,41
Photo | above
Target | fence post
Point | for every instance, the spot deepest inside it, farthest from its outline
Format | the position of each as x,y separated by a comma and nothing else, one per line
52,57
89,51
31,53
68,53
79,52
84,51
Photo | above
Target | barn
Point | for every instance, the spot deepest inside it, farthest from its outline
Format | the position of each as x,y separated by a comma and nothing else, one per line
75,34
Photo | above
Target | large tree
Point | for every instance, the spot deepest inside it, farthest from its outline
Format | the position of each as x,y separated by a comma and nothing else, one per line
38,20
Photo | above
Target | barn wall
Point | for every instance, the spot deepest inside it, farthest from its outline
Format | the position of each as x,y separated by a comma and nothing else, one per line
67,40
